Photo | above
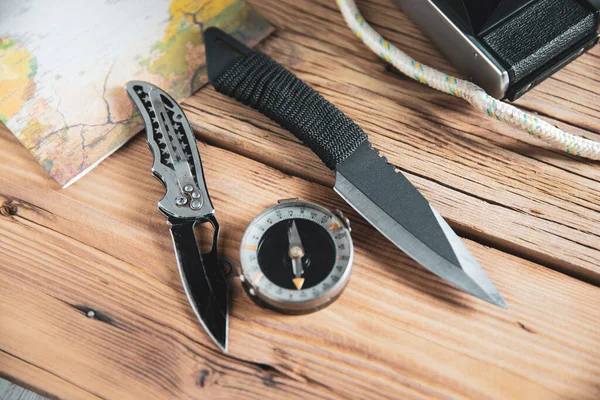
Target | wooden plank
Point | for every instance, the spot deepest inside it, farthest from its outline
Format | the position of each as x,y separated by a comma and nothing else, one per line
487,179
38,380
397,332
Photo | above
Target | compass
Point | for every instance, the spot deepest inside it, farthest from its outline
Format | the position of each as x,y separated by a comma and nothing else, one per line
296,257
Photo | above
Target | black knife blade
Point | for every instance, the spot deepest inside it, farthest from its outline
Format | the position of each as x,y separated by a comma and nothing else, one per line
401,213
383,196
202,279
186,203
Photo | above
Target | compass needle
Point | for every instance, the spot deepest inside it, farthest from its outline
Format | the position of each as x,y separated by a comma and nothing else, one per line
298,282
296,252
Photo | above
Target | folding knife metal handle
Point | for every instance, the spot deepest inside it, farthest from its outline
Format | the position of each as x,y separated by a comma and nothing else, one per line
254,79
177,162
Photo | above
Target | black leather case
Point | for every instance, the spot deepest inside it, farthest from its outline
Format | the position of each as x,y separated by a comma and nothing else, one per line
539,39
522,42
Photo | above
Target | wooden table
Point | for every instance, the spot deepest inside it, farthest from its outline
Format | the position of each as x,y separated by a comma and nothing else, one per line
530,215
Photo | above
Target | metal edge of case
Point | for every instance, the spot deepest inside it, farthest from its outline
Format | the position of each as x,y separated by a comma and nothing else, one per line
462,50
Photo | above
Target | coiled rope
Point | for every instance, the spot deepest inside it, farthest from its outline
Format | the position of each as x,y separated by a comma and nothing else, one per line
466,90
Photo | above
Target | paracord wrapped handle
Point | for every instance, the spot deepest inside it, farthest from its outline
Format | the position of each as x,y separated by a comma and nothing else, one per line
255,79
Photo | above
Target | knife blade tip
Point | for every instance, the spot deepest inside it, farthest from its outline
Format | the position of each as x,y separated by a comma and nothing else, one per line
499,301
221,344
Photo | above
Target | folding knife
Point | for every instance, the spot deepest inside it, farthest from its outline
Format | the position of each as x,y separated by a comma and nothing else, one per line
186,203
382,195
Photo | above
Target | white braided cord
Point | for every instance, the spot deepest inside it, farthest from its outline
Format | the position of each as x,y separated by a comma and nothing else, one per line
464,89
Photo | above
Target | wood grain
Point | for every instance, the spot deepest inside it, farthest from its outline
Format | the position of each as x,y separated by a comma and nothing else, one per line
145,341
397,332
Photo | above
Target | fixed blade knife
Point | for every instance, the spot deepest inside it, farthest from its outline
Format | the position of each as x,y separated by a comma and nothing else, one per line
364,179
186,203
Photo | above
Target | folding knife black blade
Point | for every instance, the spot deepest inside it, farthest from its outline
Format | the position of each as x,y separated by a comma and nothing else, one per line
202,280
367,182
186,203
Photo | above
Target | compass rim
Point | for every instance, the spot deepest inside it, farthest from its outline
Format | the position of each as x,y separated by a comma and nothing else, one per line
296,306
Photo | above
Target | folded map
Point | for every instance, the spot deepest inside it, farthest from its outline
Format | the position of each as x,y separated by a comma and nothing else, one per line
63,66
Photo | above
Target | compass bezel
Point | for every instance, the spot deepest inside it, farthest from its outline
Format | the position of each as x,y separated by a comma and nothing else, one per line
264,291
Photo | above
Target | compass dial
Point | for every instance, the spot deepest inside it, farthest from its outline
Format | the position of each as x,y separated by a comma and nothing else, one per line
296,257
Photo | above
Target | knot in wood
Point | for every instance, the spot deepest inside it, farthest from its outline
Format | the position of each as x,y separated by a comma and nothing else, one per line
8,209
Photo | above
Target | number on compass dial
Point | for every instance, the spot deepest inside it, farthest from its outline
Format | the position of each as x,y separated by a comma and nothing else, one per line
296,257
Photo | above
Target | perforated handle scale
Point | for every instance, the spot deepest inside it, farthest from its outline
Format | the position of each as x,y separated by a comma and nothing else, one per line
254,79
